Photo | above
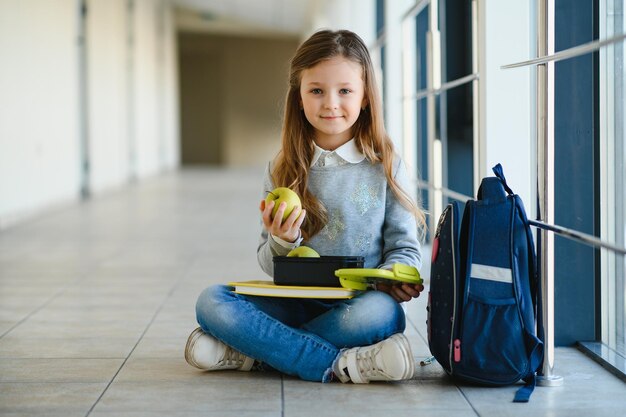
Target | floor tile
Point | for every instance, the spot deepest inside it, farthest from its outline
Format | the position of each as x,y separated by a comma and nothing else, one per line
430,371
181,311
159,347
132,274
12,301
104,301
42,413
58,370
403,398
587,390
131,313
141,369
6,325
208,413
32,267
209,395
89,347
15,314
98,313
28,289
104,329
95,291
49,398
177,329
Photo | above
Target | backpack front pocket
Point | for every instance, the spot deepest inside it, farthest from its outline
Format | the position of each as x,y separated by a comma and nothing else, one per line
491,348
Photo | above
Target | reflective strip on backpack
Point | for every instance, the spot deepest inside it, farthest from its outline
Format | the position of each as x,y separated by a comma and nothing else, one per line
492,273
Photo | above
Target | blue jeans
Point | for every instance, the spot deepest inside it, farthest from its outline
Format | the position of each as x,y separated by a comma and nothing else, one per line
300,337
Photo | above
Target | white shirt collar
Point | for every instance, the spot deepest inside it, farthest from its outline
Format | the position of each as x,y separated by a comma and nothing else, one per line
347,152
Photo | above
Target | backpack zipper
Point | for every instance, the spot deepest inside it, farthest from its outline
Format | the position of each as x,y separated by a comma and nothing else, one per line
453,342
457,350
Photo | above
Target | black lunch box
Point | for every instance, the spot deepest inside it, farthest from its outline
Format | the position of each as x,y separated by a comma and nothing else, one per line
318,272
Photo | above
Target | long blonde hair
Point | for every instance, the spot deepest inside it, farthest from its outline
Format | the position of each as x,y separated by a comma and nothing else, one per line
291,166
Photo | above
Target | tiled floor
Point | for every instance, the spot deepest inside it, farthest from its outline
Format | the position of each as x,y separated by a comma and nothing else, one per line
96,302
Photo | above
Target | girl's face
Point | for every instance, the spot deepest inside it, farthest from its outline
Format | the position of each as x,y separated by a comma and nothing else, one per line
332,94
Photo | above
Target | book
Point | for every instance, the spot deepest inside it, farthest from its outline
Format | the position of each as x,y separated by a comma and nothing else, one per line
269,289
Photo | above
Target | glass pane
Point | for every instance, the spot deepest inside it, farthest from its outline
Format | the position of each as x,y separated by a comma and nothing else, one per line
421,82
380,17
613,178
449,158
455,21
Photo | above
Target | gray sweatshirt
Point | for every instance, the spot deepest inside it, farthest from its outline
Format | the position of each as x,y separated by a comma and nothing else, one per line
365,218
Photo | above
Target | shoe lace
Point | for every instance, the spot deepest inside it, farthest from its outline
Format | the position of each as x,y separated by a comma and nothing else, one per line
232,357
367,362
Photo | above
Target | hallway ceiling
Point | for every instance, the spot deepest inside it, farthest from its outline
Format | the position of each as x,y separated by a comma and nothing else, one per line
246,17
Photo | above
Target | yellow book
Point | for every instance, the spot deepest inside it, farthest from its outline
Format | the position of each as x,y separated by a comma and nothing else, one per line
269,289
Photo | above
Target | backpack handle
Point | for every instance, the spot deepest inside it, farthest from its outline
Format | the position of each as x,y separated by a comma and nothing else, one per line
494,187
500,174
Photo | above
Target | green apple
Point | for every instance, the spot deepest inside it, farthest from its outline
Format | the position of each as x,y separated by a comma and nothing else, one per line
303,252
281,194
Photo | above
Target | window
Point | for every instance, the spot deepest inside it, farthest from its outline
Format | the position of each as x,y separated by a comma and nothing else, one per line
439,85
613,177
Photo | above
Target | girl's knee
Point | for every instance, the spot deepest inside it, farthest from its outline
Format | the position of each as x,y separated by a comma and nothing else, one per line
369,318
382,305
210,296
210,304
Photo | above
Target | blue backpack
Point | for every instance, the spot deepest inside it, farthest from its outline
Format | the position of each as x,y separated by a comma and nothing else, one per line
485,292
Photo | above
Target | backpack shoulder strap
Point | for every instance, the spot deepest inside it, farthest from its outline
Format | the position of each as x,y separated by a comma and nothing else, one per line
536,351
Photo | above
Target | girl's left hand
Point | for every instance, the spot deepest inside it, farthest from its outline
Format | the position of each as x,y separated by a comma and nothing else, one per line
401,292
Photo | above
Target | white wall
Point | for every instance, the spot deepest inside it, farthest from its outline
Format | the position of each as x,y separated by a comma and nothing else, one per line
358,16
241,119
40,119
108,106
254,100
39,153
506,96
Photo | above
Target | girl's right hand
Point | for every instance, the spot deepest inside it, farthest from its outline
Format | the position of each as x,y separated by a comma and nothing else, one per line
401,292
289,230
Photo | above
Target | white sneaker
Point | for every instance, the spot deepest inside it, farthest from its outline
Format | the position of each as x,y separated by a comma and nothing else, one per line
206,352
389,360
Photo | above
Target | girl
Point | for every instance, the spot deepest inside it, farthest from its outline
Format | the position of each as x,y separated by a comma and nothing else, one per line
336,155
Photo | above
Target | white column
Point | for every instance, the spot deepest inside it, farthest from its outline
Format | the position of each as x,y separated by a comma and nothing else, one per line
392,100
107,99
409,87
506,96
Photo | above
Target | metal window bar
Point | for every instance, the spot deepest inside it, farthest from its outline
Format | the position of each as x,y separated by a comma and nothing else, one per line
569,53
444,87
571,234
380,41
545,182
446,192
415,10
